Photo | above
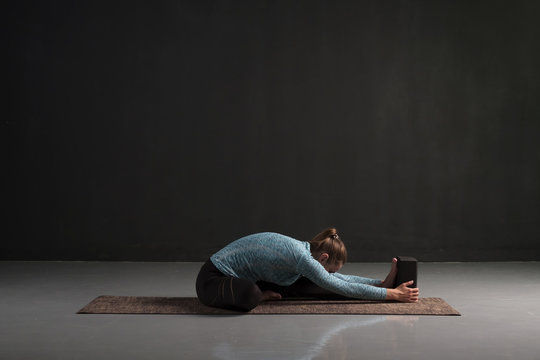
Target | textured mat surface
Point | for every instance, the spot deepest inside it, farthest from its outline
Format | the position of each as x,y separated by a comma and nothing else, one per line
191,306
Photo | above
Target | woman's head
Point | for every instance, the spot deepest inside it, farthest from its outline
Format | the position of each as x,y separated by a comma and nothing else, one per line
327,248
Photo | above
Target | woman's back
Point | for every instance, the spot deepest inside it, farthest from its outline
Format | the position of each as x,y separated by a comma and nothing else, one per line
264,256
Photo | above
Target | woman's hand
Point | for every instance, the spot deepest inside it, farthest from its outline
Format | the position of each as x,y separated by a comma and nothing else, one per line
403,293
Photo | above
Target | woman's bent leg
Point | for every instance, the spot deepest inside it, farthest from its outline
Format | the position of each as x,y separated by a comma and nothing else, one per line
218,290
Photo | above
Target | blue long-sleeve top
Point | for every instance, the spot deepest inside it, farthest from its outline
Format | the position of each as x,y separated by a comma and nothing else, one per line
282,260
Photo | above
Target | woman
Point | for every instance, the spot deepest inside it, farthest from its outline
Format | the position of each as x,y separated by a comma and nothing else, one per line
267,266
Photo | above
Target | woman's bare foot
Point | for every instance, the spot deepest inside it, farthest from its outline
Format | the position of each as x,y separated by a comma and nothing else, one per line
390,279
270,295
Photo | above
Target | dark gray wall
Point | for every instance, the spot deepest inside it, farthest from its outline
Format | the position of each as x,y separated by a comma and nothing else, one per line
163,131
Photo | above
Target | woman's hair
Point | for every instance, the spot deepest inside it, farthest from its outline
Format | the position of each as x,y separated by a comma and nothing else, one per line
328,241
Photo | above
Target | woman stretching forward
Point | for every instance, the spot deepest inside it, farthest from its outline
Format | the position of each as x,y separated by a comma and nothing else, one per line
267,266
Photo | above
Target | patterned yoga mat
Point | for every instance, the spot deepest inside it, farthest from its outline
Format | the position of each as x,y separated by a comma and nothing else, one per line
192,306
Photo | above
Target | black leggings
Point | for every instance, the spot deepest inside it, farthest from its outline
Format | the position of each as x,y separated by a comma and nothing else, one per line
219,290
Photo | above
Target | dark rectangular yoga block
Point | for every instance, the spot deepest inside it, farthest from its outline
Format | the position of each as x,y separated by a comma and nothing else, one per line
407,271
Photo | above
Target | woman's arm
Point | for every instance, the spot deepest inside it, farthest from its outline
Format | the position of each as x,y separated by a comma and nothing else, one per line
402,293
314,271
387,283
358,279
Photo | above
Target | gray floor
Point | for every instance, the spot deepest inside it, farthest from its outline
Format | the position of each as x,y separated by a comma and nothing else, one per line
499,302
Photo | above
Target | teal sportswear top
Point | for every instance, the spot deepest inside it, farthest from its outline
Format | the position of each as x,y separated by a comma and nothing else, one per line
282,260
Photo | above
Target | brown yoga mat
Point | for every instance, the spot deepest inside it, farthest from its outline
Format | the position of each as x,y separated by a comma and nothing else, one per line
192,306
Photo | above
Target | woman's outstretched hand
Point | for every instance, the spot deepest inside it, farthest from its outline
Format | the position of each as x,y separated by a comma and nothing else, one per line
403,293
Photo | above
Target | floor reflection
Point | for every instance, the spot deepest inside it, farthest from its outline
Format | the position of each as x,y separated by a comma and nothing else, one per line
308,338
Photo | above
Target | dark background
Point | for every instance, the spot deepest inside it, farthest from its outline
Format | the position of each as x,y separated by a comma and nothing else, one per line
164,130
